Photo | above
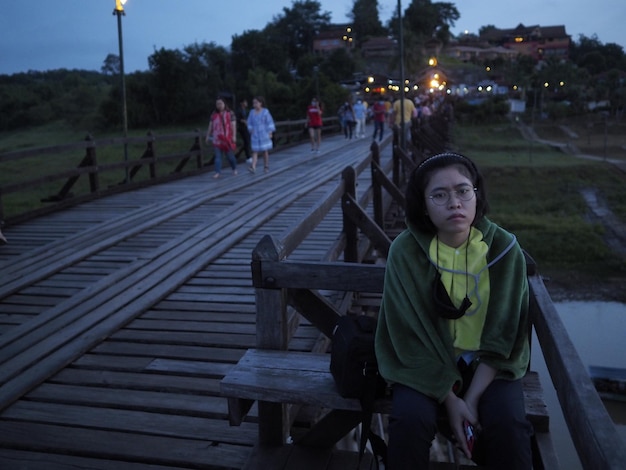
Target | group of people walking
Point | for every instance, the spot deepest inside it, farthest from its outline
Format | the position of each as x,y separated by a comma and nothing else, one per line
255,127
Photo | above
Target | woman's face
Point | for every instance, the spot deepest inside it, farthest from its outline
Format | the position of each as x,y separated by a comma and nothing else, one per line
256,104
453,218
220,105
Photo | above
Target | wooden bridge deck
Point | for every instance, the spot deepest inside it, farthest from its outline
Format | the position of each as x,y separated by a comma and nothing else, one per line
119,317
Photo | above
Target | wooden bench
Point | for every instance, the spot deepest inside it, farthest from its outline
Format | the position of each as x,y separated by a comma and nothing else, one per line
301,378
304,378
290,379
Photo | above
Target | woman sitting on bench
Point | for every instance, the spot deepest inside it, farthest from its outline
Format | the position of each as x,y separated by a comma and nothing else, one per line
452,332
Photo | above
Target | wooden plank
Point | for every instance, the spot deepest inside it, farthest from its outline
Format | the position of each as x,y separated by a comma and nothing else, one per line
119,445
133,421
319,275
191,404
131,380
24,460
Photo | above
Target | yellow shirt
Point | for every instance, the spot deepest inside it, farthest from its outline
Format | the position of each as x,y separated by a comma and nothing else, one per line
409,107
467,330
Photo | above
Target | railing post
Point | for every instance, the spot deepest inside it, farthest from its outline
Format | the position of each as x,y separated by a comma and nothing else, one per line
148,153
377,193
271,333
395,175
197,147
350,229
69,184
90,157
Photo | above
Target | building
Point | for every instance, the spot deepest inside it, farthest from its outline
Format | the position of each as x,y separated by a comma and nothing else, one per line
378,47
538,42
339,36
479,54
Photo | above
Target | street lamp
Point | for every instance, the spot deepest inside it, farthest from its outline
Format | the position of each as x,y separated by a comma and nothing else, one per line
402,132
119,12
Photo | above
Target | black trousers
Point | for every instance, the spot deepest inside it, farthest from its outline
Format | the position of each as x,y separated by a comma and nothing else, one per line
245,139
503,443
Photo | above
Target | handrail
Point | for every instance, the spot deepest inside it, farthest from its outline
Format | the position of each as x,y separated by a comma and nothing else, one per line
592,430
106,169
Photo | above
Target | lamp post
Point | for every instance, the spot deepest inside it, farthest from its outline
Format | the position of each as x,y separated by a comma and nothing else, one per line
119,12
402,133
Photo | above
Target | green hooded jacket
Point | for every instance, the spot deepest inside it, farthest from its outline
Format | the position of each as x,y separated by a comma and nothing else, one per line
414,345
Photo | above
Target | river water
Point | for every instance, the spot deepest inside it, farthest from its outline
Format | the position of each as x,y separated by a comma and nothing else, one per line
597,331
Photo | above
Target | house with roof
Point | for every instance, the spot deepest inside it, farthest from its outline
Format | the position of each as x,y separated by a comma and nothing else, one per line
338,36
538,42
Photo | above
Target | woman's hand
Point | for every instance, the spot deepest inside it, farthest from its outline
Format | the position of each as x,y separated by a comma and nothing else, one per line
458,412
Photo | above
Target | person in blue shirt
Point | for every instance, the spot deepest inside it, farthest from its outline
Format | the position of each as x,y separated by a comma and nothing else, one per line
261,126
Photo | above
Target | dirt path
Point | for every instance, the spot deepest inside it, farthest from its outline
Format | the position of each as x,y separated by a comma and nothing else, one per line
615,231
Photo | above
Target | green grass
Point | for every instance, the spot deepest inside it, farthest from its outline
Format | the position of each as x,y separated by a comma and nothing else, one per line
27,169
535,193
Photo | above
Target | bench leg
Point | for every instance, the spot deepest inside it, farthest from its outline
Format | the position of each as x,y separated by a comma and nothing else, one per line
274,426
238,408
331,428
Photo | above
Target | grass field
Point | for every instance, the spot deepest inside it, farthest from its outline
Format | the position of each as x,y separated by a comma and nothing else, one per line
534,191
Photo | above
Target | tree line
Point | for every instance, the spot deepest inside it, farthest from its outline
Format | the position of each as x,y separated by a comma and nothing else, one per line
277,62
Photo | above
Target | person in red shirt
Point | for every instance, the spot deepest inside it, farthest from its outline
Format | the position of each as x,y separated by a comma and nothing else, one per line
379,113
314,124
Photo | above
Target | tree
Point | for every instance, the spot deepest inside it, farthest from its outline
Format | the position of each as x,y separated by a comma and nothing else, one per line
427,21
257,49
366,20
485,29
426,26
111,65
297,27
591,54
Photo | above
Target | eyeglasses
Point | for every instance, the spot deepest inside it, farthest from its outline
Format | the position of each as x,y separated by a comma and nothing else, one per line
441,197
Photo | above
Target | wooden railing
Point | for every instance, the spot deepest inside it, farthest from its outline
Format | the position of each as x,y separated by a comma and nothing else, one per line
282,285
107,166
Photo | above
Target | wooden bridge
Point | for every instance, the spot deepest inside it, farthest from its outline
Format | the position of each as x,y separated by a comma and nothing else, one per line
119,318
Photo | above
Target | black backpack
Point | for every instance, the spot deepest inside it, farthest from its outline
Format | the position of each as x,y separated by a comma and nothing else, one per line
354,368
